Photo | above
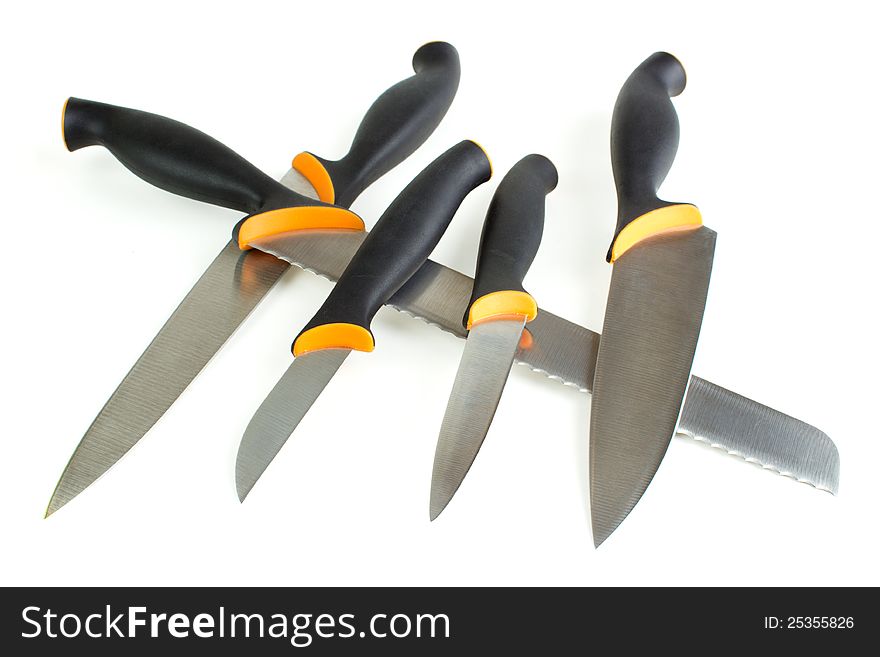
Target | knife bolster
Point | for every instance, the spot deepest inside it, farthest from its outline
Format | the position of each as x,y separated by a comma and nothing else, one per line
313,169
506,303
682,216
334,336
304,217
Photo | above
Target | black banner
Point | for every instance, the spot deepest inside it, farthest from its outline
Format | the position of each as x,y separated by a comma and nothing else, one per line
418,621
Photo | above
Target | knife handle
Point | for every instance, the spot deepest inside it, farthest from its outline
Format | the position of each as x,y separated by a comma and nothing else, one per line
511,236
397,123
180,159
170,155
400,243
644,140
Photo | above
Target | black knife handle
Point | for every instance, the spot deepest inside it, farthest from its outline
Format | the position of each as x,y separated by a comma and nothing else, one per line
397,123
400,243
174,156
185,161
644,140
511,236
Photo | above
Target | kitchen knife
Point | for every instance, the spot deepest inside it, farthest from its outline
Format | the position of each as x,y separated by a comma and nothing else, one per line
496,319
184,161
400,243
662,256
566,352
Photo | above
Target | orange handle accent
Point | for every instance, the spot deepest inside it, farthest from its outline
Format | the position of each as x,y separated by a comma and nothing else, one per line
306,217
313,171
63,113
334,336
506,303
662,220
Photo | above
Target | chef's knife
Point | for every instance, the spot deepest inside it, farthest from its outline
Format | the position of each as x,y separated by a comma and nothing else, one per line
496,319
662,256
183,160
400,243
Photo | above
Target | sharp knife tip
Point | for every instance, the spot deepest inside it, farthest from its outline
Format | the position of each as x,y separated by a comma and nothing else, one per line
54,505
59,498
437,507
244,481
242,489
601,531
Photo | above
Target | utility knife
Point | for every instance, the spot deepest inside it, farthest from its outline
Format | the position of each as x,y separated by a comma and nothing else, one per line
400,243
496,319
662,256
182,160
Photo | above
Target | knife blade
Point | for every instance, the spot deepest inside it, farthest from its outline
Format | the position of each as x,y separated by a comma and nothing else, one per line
566,352
662,256
182,160
497,315
400,243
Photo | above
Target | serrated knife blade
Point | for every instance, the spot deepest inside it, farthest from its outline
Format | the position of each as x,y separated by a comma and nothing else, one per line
566,352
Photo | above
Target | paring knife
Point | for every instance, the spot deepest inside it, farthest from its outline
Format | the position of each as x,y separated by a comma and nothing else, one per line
184,161
400,243
662,256
496,319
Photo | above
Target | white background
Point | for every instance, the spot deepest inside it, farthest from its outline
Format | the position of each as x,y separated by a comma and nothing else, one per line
779,149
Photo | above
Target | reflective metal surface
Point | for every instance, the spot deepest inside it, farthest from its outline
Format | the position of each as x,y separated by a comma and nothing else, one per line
560,349
281,412
760,435
222,298
218,303
652,323
322,252
439,295
294,180
479,382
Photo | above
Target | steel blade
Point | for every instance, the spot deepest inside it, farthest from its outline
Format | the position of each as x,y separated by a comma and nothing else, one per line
438,295
226,293
559,349
322,252
775,441
281,412
221,299
294,180
485,364
652,323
